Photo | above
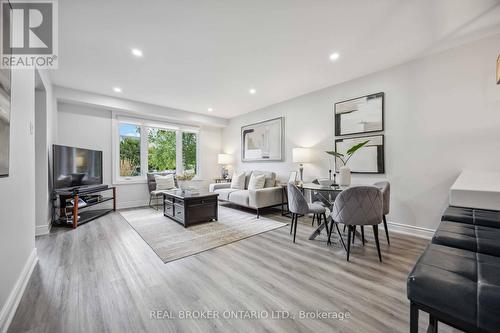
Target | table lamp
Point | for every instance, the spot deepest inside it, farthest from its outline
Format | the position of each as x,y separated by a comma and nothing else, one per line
301,156
224,160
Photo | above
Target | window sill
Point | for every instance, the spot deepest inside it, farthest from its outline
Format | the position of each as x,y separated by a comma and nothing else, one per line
129,181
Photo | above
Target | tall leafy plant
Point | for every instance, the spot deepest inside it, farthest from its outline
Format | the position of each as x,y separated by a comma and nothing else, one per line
345,158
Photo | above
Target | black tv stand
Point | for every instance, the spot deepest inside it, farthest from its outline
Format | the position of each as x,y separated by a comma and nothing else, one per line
74,214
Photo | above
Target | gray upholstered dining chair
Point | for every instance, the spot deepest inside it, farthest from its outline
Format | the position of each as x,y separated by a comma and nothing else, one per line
321,198
385,187
358,205
298,205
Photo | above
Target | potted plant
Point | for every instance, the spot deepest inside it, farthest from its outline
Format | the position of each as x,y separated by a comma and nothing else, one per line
184,180
344,171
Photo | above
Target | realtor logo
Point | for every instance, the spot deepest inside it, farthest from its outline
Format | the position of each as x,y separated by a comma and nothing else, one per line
29,34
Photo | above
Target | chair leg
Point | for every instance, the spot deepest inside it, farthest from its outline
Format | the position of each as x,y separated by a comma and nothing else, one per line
157,202
291,224
295,227
258,213
340,235
344,227
326,223
150,197
349,231
353,233
330,232
386,231
312,223
433,324
363,235
375,233
413,318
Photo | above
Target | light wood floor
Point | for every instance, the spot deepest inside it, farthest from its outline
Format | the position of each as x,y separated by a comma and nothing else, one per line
102,277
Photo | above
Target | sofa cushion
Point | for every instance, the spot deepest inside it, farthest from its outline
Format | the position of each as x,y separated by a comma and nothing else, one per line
150,176
239,197
247,178
256,182
270,177
460,284
468,237
164,182
238,181
224,193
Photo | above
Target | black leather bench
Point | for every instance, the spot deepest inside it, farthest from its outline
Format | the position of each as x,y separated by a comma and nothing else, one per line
486,218
457,278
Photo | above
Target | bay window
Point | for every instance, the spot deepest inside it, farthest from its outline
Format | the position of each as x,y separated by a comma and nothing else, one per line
142,146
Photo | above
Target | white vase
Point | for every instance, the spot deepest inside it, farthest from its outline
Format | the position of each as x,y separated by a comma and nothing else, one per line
344,176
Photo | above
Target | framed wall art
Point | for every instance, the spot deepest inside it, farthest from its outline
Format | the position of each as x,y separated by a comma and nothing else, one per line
359,115
263,141
368,159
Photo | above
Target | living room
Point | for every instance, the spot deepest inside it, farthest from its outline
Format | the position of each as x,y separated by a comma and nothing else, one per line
262,166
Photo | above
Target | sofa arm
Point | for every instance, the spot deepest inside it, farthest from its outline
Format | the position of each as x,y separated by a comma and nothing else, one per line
266,197
218,186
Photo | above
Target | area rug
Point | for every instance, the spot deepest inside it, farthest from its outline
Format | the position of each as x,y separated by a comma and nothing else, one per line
171,241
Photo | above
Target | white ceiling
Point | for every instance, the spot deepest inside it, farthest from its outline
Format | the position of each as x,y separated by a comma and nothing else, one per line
201,54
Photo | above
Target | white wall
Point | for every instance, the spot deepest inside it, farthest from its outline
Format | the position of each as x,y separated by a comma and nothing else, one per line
442,115
91,127
44,138
17,196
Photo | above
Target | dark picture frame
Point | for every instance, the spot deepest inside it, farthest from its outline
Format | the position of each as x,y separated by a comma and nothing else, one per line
339,110
272,135
380,156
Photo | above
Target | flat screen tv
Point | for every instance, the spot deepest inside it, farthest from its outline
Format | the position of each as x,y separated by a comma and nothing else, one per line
76,167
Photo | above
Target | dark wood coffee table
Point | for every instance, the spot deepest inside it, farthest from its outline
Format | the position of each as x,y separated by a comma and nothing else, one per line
188,208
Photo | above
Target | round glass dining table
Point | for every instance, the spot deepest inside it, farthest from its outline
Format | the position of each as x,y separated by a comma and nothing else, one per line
335,189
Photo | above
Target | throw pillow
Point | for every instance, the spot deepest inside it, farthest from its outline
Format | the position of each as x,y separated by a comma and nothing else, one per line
256,182
238,181
164,182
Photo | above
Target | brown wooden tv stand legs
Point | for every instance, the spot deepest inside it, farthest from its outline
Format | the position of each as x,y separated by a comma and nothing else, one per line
81,214
75,211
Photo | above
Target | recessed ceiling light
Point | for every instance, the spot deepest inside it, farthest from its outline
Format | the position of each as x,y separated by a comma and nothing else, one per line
137,52
334,56
117,89
210,109
252,91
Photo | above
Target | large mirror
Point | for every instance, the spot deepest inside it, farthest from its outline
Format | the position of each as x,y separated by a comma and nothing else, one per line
360,115
368,159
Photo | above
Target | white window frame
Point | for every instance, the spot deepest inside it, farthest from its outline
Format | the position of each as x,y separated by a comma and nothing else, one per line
144,125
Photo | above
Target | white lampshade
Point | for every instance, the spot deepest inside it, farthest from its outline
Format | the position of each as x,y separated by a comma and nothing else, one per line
301,155
224,159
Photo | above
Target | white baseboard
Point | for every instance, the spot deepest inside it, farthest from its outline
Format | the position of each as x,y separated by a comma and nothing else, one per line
9,308
410,230
41,230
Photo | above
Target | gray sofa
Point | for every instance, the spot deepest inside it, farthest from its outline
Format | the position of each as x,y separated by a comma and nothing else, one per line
271,195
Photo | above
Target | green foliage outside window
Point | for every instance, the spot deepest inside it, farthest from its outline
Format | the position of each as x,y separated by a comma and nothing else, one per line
189,151
161,149
130,152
